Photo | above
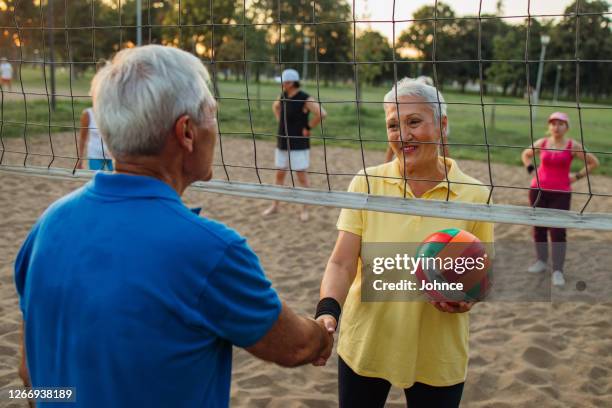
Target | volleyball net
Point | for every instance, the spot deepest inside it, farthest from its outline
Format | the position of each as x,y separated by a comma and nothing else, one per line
502,73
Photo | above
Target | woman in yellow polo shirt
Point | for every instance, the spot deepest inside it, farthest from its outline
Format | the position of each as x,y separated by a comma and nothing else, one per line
418,346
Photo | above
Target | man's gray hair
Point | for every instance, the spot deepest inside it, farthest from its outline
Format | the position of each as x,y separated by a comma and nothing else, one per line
419,88
140,94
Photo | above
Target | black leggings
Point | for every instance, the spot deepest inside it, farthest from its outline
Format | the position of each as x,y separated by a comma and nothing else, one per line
356,391
551,199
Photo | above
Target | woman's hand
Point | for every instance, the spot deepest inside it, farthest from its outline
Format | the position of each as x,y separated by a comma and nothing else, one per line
453,307
330,324
573,178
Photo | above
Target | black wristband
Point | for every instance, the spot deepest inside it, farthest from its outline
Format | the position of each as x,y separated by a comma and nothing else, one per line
530,168
307,126
329,306
579,176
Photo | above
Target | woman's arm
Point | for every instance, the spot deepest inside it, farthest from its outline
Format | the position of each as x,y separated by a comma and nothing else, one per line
527,155
589,158
340,272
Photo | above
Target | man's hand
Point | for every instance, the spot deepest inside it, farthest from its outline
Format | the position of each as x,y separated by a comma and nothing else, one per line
453,307
294,340
328,325
306,132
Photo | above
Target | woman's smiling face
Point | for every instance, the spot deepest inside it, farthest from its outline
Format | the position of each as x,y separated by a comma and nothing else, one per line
417,147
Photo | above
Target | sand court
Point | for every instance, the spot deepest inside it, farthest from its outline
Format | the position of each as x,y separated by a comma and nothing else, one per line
541,354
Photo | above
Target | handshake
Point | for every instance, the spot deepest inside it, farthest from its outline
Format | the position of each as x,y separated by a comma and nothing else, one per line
296,340
327,316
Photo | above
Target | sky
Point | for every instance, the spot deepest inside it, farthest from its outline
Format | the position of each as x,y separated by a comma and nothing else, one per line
383,10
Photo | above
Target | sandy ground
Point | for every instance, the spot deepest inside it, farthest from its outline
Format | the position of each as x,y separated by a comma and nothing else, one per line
545,354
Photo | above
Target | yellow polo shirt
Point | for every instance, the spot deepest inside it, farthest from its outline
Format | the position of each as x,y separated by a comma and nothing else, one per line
406,342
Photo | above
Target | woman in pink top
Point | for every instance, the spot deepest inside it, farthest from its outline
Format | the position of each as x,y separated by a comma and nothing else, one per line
552,183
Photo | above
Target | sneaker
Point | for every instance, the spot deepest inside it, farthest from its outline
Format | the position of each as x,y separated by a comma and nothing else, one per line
558,279
538,267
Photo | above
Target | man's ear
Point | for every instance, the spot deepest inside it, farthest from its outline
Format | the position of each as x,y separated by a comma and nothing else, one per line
184,132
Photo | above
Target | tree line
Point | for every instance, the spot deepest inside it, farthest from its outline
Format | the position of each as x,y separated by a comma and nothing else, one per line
268,35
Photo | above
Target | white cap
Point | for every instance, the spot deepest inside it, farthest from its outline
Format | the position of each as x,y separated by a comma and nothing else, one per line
288,75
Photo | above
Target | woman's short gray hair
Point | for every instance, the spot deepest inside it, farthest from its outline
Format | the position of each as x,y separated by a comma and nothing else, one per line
420,88
140,94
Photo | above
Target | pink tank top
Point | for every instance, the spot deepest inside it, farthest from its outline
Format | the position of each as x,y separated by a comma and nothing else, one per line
554,168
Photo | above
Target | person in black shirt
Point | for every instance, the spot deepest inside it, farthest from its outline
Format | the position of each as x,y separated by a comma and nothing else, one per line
292,111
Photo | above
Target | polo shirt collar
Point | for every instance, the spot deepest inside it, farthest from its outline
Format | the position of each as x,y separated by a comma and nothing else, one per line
133,186
393,175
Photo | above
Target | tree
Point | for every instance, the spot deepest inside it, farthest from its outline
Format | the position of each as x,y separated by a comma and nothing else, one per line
193,25
290,21
424,32
457,42
473,33
510,50
245,41
78,46
505,48
17,38
372,46
87,46
594,41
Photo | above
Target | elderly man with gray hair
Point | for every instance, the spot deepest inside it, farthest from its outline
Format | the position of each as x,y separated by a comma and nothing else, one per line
144,307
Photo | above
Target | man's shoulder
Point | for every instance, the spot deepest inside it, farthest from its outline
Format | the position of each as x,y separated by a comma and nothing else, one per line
212,229
64,203
200,231
171,216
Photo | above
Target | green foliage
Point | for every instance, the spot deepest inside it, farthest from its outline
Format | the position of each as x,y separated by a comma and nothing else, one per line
327,42
591,32
507,137
433,34
372,46
510,51
272,35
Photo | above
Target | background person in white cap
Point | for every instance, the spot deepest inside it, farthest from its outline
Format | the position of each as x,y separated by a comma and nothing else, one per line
6,73
292,111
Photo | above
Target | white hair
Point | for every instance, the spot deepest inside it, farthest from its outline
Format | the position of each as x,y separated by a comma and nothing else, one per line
419,88
140,94
427,80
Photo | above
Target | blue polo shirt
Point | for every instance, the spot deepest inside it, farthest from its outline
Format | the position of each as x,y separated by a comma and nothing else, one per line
135,300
